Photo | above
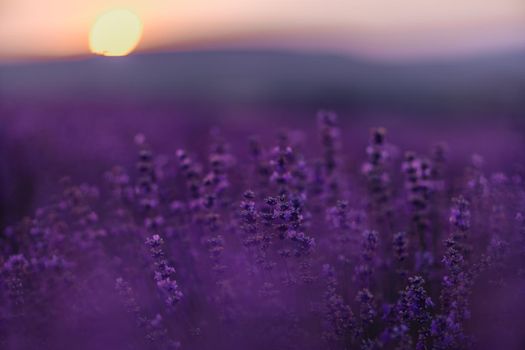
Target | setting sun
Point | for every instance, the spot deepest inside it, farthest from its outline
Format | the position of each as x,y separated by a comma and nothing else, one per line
115,33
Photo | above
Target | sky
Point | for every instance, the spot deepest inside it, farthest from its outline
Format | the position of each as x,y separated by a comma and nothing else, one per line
383,29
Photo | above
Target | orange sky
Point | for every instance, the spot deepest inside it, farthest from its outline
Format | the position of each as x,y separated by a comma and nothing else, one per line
394,29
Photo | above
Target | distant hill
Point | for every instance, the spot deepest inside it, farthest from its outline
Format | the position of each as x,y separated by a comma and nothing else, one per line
494,83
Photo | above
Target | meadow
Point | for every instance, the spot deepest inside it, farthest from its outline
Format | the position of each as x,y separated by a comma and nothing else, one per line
310,233
206,200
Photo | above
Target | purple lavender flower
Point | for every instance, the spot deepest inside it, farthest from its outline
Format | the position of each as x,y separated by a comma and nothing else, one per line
338,318
312,256
378,179
331,143
367,308
14,273
153,329
460,215
363,271
414,309
164,273
419,187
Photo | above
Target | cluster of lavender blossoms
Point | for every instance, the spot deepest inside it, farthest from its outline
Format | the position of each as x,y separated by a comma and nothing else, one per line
284,245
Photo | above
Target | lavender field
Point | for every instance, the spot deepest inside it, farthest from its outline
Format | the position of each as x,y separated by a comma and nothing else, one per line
163,217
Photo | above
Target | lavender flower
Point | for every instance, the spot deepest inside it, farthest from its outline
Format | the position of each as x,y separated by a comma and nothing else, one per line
419,186
314,255
164,273
378,179
153,329
14,273
414,309
331,143
338,319
363,272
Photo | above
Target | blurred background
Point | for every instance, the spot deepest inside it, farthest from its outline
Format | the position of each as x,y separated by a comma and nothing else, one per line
439,70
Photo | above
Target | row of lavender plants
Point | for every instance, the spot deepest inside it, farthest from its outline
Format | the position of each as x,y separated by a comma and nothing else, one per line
283,246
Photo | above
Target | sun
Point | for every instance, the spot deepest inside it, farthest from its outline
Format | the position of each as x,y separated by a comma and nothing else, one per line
115,33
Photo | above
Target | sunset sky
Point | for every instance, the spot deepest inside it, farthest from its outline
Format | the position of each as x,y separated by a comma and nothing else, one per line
389,29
